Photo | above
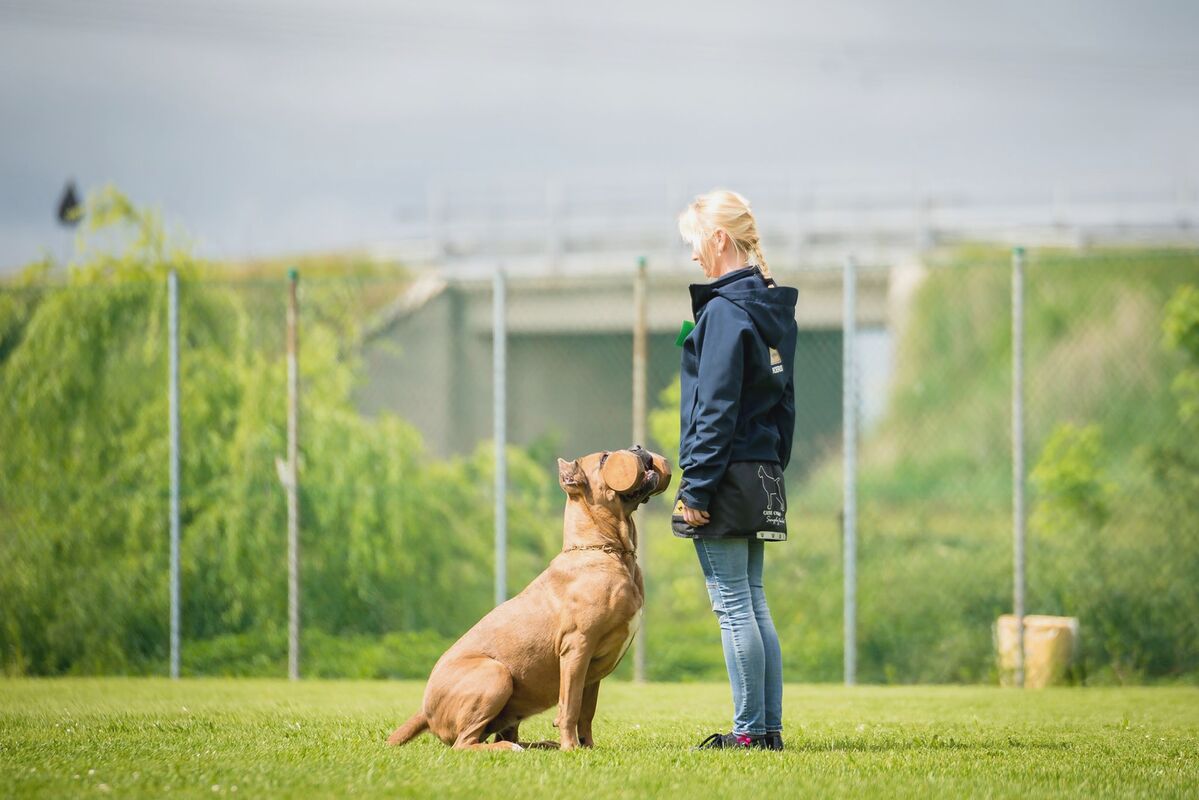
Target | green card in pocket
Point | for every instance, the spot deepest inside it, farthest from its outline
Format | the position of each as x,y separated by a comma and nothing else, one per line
688,326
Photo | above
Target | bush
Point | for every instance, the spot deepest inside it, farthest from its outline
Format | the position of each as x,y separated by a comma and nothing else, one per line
392,540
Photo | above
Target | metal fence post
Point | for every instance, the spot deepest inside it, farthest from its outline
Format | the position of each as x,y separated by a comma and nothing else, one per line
173,347
499,353
293,487
640,357
1018,521
849,425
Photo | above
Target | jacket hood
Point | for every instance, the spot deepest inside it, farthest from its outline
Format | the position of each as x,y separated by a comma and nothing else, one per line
772,310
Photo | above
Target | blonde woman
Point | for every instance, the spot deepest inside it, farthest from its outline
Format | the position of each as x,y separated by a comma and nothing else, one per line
737,419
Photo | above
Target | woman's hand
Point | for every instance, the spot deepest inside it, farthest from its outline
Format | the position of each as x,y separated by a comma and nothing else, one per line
695,517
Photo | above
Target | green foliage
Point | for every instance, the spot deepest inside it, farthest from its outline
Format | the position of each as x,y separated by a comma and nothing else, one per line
396,546
1115,540
664,420
1181,329
1113,537
1181,325
1070,489
391,539
401,654
937,468
1175,463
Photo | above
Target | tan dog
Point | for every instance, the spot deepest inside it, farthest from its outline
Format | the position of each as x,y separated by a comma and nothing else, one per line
566,631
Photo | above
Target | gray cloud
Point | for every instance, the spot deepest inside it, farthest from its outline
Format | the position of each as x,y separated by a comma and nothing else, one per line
267,126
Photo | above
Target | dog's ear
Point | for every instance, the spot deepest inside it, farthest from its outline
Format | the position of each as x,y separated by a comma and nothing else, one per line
570,476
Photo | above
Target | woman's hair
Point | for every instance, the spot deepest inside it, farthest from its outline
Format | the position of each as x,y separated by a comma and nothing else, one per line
722,210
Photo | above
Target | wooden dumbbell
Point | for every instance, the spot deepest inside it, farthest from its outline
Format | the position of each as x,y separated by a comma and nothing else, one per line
662,467
623,471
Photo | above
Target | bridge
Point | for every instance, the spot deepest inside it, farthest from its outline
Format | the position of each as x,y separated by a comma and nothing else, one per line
582,228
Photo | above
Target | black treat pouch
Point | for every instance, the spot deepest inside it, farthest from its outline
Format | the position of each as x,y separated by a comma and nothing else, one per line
750,500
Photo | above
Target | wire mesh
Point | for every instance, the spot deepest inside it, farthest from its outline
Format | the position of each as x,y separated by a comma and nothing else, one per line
396,466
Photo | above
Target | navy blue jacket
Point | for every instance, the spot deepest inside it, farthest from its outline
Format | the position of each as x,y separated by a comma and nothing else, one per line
738,390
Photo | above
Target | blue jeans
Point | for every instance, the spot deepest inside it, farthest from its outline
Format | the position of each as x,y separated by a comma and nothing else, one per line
733,572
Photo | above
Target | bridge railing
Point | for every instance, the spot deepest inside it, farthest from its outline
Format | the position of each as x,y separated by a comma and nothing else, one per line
811,227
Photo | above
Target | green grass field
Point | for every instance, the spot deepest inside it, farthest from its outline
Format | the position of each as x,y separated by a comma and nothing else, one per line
260,737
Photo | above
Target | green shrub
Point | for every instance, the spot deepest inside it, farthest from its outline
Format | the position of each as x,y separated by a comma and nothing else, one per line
391,540
397,553
1115,485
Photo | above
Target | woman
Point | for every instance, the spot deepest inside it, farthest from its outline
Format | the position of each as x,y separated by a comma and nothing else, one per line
737,419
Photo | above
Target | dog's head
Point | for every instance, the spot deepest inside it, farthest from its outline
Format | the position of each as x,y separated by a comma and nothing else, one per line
619,480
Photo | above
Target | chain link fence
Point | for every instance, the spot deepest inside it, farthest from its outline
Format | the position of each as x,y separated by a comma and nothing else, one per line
397,465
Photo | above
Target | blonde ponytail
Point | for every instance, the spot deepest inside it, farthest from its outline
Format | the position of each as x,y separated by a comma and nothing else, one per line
726,211
760,260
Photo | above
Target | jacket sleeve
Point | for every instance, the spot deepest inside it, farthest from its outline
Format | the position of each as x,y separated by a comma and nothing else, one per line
785,420
717,402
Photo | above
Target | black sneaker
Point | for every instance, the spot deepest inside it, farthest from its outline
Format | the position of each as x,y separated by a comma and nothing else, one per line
774,740
732,741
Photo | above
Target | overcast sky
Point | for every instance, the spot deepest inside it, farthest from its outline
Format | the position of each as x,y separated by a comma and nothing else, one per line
265,126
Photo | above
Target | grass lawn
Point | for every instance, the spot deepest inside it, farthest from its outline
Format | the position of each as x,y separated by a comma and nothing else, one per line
264,737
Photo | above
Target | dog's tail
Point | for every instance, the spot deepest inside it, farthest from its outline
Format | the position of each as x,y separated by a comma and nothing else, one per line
414,727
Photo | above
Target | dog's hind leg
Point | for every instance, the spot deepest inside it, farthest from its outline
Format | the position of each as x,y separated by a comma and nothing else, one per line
481,690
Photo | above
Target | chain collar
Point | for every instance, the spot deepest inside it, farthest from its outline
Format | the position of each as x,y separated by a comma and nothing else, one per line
607,548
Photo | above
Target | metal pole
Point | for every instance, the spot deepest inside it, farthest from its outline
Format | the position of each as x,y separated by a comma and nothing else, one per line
293,481
499,414
849,426
173,328
640,347
1018,519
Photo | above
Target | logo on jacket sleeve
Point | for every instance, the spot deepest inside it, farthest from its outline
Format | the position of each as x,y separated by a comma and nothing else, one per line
776,362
